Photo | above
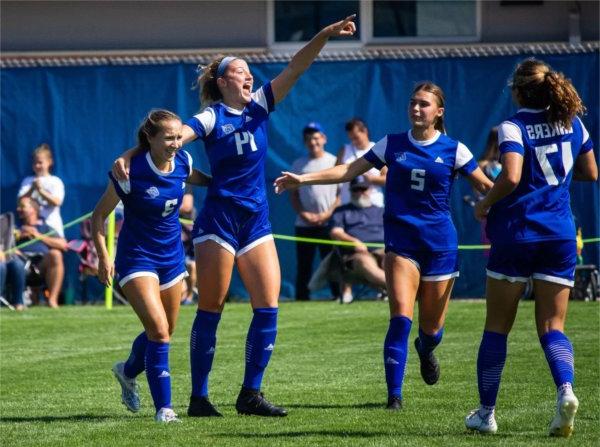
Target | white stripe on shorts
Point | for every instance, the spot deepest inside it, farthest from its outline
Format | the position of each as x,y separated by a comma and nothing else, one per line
173,281
496,275
129,277
440,277
213,237
251,245
554,279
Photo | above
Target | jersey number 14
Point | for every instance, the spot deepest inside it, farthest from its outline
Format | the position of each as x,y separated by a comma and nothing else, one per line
242,138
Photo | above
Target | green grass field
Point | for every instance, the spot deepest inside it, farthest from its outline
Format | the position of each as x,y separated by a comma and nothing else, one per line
57,388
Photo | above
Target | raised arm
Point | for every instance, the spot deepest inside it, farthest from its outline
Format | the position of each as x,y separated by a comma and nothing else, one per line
282,84
337,174
506,182
198,178
104,207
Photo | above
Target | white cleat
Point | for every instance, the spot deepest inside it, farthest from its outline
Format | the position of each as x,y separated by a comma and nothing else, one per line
166,416
566,407
130,395
482,421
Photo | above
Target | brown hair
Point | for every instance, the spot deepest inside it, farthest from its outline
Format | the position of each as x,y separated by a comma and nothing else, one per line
44,149
436,90
492,151
539,87
207,83
356,123
152,125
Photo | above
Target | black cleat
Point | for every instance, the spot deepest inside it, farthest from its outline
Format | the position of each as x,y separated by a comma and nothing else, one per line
200,407
252,402
430,367
394,403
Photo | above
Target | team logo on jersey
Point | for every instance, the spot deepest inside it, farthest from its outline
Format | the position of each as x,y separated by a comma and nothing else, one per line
439,160
400,156
228,128
153,192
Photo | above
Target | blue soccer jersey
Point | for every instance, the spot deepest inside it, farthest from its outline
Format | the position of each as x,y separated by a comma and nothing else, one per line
236,146
151,232
417,191
539,208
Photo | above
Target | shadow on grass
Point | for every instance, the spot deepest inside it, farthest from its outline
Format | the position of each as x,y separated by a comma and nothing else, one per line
442,434
65,418
368,405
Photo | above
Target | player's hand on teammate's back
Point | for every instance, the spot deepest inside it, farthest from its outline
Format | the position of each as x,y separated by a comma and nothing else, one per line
120,169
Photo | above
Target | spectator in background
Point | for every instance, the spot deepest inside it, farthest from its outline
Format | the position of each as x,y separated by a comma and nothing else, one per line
46,189
360,222
314,206
12,279
359,145
49,247
188,211
490,159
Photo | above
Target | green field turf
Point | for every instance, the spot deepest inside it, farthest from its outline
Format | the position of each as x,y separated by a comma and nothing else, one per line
327,369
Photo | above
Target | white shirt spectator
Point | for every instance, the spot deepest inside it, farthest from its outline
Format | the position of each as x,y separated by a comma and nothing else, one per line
49,213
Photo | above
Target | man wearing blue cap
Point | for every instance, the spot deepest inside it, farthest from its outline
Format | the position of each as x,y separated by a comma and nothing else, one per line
314,206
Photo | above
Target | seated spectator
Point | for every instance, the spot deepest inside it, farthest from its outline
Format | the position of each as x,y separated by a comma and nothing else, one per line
48,248
46,189
360,222
12,279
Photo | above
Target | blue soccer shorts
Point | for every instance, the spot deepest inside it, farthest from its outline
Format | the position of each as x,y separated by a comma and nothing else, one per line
552,261
167,275
432,265
234,228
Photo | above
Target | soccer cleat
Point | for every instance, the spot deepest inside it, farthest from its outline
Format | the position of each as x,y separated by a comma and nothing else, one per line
482,421
566,407
166,415
347,298
394,403
201,407
130,395
430,367
253,402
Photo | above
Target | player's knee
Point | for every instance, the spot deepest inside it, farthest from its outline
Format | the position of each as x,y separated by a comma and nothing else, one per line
159,333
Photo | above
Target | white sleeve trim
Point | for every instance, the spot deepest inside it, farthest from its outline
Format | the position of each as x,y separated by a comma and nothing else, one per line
508,131
125,185
190,161
207,118
260,98
379,148
463,156
586,135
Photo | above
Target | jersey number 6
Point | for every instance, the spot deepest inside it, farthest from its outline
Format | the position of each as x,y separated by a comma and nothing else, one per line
417,178
242,138
169,207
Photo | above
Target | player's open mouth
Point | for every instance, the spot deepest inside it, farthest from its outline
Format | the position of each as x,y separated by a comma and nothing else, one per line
247,87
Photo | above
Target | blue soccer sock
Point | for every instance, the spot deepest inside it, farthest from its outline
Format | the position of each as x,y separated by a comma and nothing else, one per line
259,345
490,362
203,341
135,363
559,354
158,374
427,343
395,353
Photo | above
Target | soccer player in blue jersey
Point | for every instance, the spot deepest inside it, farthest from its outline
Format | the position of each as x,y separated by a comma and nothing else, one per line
529,223
233,226
150,259
420,239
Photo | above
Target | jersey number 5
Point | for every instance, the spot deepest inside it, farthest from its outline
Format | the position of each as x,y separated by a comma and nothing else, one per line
242,138
566,156
417,178
169,207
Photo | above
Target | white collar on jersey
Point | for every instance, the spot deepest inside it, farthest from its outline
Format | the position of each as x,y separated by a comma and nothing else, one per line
424,142
155,169
531,110
232,110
